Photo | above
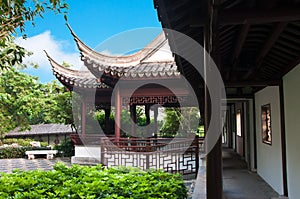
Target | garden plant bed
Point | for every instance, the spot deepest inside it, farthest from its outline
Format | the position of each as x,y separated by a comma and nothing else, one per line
92,182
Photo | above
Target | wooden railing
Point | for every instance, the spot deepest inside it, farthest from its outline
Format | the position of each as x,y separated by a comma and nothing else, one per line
170,154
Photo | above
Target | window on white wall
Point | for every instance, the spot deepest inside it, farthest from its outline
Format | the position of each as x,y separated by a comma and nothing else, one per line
238,123
266,124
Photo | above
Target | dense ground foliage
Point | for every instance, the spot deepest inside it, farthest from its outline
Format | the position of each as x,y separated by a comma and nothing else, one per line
91,182
21,142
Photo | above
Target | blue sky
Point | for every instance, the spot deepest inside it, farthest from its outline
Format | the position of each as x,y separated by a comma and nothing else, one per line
94,21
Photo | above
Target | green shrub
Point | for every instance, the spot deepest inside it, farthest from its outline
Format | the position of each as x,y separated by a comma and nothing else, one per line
17,152
21,142
200,131
12,152
92,182
66,147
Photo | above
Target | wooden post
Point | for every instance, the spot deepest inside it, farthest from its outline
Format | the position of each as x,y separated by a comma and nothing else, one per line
147,113
56,139
197,152
214,183
118,109
107,122
133,120
283,141
155,120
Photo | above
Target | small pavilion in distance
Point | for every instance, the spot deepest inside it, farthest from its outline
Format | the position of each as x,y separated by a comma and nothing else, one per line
147,78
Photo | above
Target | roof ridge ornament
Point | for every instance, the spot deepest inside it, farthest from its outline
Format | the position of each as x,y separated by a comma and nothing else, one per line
124,60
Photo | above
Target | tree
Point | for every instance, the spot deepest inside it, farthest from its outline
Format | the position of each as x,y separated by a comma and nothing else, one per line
25,101
125,121
180,120
171,123
13,16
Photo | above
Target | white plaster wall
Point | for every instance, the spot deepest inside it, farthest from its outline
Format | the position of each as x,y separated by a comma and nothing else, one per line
291,86
269,157
88,151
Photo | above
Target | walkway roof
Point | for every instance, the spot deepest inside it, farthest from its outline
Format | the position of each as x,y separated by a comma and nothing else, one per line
254,42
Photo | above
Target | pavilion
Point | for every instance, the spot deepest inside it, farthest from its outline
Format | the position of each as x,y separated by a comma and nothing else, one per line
148,78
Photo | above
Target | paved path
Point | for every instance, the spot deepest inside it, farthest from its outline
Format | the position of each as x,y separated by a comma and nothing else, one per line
8,165
239,183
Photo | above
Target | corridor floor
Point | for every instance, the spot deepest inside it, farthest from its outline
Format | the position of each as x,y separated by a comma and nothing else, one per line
239,183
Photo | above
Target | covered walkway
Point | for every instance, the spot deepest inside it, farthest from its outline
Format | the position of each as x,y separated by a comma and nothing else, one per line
240,183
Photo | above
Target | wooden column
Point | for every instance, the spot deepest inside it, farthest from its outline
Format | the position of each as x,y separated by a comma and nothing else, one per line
56,139
107,122
147,113
283,141
133,120
83,117
155,120
118,110
214,184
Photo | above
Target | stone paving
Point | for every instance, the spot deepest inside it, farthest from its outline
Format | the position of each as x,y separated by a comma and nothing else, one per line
239,183
8,165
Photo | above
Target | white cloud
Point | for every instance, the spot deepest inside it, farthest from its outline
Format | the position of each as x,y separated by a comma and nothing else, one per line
55,48
109,53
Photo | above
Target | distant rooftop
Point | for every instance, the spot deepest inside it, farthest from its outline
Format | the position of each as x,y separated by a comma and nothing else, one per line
42,129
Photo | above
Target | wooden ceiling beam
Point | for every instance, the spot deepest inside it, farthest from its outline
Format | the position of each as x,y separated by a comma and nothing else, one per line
239,43
286,50
270,42
238,84
252,16
266,47
285,44
291,66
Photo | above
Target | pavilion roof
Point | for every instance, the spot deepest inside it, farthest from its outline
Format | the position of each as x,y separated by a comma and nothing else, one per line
78,78
121,61
137,65
104,70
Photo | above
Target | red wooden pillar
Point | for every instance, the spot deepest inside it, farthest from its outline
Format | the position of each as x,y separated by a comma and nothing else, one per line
147,112
155,119
56,139
214,183
133,120
118,109
83,117
107,122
